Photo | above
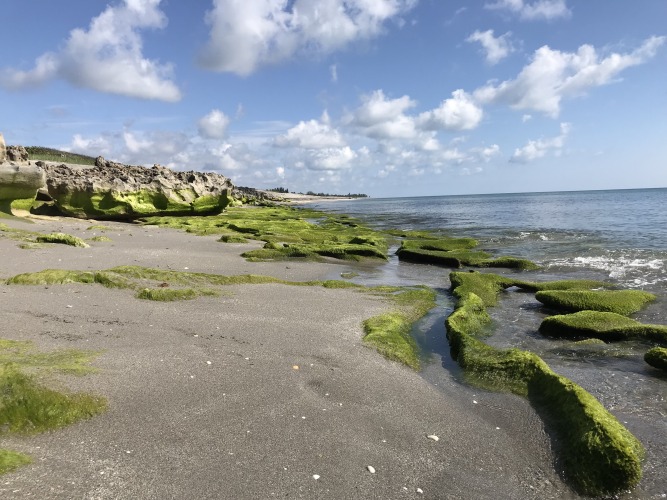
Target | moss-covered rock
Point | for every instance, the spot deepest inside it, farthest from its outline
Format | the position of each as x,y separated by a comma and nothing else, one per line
114,191
623,302
600,456
456,253
657,357
62,238
606,326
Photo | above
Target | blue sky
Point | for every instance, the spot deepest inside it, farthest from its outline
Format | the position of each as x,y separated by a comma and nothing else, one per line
384,97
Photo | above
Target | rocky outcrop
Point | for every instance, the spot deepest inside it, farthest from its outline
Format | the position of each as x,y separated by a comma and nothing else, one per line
19,180
111,190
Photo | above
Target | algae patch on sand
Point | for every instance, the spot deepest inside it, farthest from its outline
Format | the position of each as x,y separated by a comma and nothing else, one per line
27,405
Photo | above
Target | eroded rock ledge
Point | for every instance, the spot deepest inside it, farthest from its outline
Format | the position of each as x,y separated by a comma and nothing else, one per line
111,190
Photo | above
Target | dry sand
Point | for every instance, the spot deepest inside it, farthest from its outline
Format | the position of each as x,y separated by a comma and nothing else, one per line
205,402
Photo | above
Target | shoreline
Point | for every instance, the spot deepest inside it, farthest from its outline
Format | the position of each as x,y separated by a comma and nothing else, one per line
236,427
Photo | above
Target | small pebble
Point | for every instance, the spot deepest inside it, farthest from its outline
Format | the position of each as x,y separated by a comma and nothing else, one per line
295,367
433,437
420,491
474,402
371,469
208,363
316,477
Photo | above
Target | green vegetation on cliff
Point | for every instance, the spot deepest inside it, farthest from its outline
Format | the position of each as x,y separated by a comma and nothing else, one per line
49,154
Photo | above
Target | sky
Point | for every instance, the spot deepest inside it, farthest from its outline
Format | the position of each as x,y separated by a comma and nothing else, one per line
383,97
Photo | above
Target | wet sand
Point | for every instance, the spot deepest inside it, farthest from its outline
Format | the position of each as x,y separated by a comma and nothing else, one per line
205,401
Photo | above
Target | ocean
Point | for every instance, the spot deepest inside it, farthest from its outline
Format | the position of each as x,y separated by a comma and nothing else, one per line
619,236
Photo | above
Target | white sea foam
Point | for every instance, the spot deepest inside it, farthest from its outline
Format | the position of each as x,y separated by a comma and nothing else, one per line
634,271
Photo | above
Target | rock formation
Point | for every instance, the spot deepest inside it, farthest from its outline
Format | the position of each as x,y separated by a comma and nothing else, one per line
19,180
112,190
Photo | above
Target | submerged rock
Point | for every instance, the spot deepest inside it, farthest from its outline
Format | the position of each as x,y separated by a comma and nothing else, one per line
112,190
657,358
607,326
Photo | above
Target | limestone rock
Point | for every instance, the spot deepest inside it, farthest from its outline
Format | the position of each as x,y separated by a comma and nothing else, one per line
17,154
19,180
111,190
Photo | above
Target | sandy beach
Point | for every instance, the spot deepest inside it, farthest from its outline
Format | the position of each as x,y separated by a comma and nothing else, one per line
266,391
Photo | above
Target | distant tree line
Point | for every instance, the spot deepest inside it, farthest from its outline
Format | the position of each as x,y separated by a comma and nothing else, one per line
280,190
348,195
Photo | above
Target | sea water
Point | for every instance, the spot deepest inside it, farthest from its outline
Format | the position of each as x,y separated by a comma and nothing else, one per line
619,236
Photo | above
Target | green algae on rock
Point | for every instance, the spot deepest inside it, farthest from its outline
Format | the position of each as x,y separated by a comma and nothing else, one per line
111,190
390,333
288,233
623,302
455,252
62,238
607,326
657,358
600,456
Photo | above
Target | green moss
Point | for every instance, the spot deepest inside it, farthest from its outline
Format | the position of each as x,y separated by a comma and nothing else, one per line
173,294
232,238
617,301
11,460
390,333
130,205
65,239
349,276
24,204
98,227
657,358
606,326
24,354
289,233
28,407
100,239
455,252
600,456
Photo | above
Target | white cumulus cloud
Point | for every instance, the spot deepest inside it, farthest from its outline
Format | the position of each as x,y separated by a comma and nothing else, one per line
553,75
383,118
495,48
539,148
536,10
456,113
311,134
213,125
107,57
246,35
329,158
